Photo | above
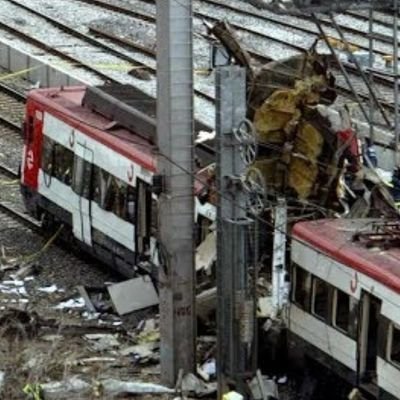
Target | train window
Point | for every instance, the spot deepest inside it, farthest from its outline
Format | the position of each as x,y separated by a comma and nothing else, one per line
120,201
395,344
320,298
64,160
57,161
114,195
102,182
341,310
130,203
47,156
82,177
301,287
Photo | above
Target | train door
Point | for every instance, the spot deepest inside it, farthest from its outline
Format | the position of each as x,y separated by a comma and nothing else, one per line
368,337
143,218
83,172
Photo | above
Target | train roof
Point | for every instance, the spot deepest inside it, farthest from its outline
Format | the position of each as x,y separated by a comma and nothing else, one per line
369,246
66,103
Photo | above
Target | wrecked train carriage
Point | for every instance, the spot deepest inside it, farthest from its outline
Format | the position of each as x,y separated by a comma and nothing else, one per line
89,161
344,307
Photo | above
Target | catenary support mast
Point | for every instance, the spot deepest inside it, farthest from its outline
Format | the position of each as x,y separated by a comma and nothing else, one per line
176,215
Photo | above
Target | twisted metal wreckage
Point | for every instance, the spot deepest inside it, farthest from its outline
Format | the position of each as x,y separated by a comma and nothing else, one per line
308,150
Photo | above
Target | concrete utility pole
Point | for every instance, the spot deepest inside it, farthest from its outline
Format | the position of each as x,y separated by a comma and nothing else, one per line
236,297
176,214
279,257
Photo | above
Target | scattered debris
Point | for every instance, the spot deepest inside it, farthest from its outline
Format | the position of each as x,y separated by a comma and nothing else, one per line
102,341
115,387
142,353
206,253
52,338
70,388
85,361
26,270
191,384
133,294
263,388
208,370
86,298
71,303
49,289
232,396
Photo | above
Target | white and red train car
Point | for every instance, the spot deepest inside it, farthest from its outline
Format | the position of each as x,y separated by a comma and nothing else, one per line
89,163
345,300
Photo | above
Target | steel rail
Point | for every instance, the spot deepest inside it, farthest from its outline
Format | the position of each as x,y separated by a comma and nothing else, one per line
11,124
16,94
20,217
8,172
7,209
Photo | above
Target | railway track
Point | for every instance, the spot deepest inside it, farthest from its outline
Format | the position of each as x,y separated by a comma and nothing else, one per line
109,49
9,182
385,84
305,36
249,34
12,103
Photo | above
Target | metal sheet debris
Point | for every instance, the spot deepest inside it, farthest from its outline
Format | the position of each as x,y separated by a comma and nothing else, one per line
191,384
49,289
114,387
133,294
102,341
206,253
70,388
70,304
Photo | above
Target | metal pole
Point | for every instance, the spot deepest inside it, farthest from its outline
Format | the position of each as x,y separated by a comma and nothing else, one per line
235,289
396,80
176,212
